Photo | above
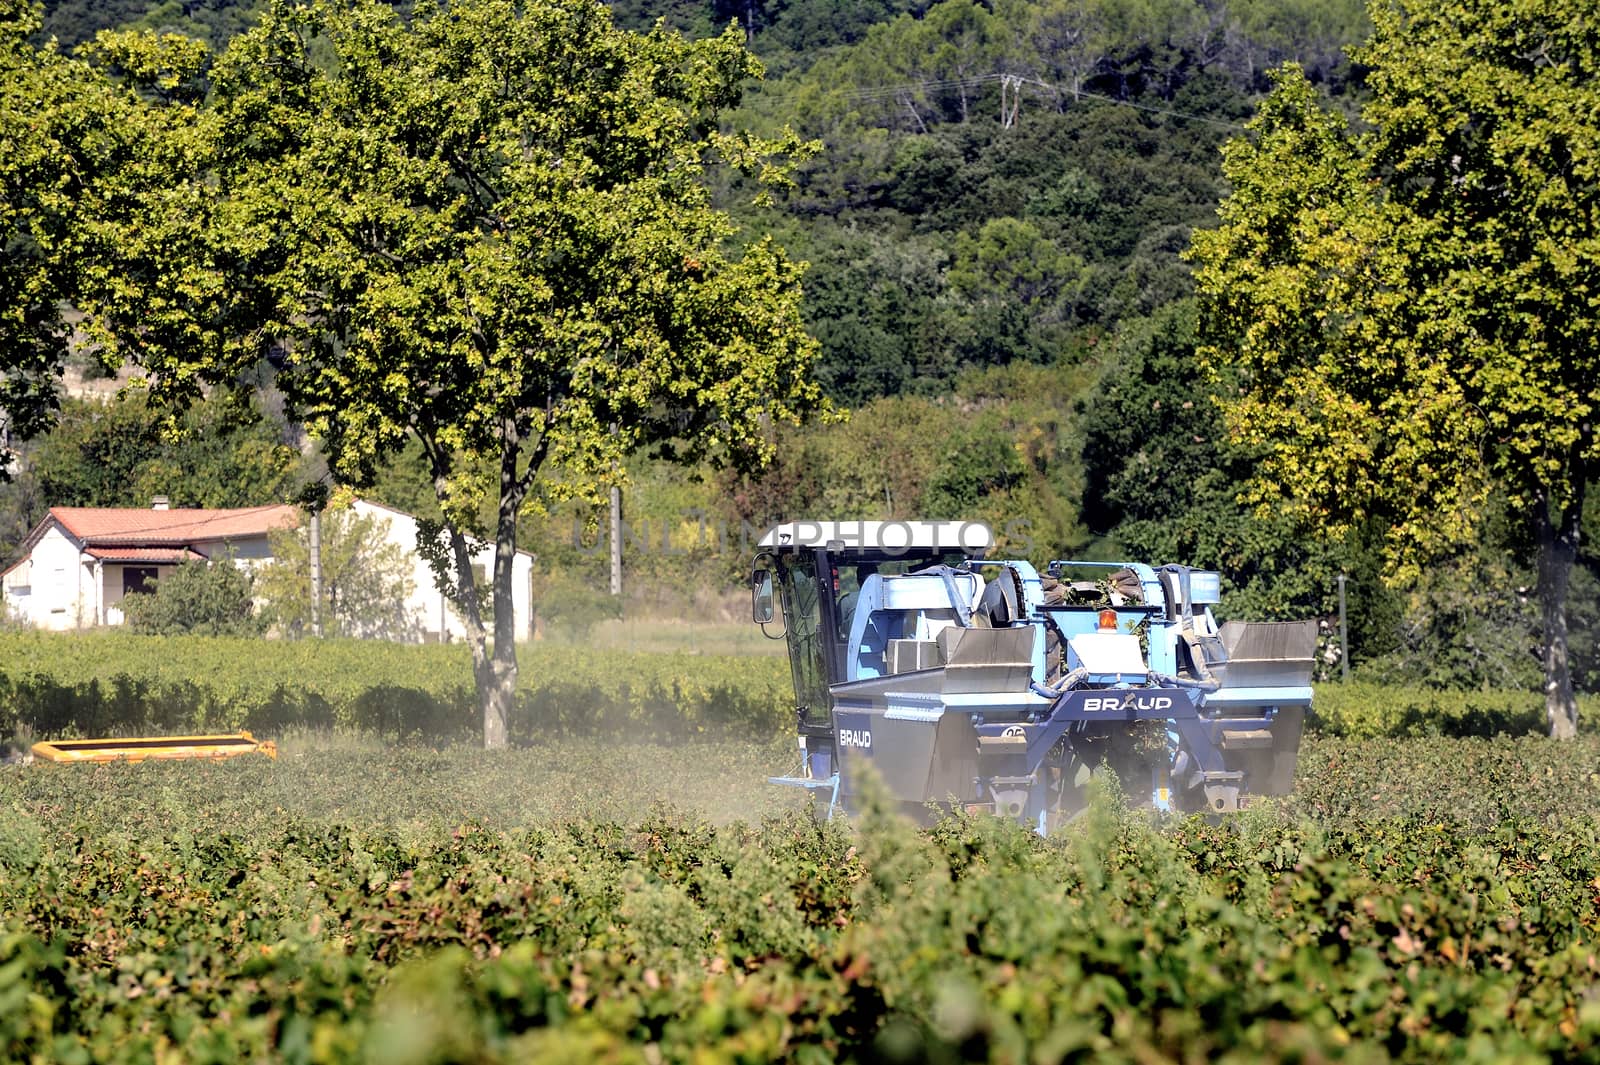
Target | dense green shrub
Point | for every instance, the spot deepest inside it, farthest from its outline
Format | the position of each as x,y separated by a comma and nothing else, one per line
572,606
196,598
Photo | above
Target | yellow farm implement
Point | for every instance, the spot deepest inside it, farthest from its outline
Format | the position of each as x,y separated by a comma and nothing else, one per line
137,749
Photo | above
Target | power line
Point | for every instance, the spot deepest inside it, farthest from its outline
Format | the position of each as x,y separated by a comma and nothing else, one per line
891,92
1167,111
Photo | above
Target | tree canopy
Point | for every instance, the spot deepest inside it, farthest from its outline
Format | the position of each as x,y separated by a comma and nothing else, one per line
53,125
1410,309
123,452
486,227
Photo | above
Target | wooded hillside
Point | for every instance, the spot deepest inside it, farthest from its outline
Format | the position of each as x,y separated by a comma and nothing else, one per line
996,226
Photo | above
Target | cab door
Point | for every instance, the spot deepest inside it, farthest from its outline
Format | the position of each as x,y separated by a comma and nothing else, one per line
808,617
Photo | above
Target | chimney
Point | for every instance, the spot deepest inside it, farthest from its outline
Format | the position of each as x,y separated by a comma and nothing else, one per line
158,503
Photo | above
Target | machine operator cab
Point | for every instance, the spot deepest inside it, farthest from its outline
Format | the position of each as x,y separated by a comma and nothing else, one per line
847,611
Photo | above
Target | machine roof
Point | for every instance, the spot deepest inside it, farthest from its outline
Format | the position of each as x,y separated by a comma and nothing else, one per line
971,537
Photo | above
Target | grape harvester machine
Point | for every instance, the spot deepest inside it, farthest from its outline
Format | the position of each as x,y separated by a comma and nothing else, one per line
984,683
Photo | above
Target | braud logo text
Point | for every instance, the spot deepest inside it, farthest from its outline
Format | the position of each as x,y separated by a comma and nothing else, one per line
1129,701
856,737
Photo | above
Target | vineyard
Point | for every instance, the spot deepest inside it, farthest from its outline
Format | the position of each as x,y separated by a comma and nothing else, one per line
114,683
578,900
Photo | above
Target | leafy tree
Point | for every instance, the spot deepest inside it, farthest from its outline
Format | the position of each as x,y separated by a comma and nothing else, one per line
85,158
73,22
1262,34
1468,621
1010,258
486,228
58,126
123,452
876,466
809,27
1000,450
1066,40
175,272
405,483
979,460
1410,309
211,598
366,579
1161,484
22,506
573,606
1150,431
874,304
214,21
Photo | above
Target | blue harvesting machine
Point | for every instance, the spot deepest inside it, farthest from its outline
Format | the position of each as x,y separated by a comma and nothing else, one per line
983,683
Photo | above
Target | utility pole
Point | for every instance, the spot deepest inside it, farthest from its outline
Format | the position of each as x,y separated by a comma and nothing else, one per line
616,541
1010,103
616,529
1344,635
316,571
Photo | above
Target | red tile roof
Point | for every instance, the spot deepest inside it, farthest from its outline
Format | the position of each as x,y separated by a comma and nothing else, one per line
171,528
144,554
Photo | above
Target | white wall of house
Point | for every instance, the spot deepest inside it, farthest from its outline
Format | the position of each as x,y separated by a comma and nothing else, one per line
246,550
111,591
433,611
19,592
50,589
112,584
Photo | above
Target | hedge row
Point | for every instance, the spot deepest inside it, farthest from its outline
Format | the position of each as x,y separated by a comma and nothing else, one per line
121,684
1364,711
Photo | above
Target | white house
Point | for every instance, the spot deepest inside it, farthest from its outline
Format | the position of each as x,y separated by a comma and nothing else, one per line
78,563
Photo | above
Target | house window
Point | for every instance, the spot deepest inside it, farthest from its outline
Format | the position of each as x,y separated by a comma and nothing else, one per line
137,579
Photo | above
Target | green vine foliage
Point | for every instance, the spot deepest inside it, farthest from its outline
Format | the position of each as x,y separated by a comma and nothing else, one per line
1415,901
121,683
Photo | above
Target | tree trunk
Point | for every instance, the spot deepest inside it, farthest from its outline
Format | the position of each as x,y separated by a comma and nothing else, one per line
1558,549
488,677
497,691
494,667
921,126
497,695
496,670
